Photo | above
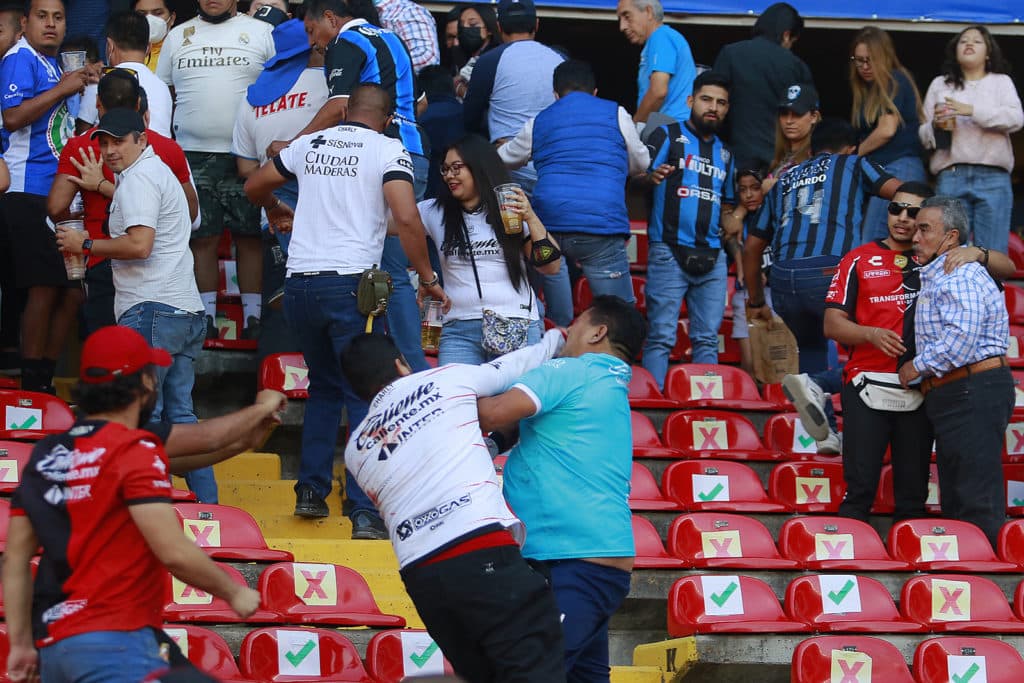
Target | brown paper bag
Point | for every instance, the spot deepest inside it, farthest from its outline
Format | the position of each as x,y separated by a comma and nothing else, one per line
774,350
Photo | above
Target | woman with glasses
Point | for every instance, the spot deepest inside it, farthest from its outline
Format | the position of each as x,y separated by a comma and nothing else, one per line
969,113
484,267
886,113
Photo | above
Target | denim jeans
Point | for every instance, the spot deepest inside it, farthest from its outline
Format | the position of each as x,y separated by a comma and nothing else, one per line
558,296
876,215
181,334
461,341
667,285
321,312
102,657
988,199
603,260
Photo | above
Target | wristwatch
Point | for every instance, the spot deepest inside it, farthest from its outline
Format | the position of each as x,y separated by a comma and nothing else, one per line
430,283
752,304
86,247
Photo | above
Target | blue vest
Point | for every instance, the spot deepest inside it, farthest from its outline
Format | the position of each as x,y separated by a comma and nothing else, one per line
582,164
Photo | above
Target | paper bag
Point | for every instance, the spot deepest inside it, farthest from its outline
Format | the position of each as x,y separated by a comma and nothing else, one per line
774,350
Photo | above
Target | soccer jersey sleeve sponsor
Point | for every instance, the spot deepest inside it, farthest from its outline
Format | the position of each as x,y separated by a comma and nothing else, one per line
396,162
18,71
142,475
343,64
842,292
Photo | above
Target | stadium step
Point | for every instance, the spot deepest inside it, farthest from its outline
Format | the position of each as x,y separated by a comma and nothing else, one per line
250,465
638,674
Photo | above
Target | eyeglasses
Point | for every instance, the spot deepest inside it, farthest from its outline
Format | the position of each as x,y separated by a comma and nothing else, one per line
452,169
896,208
121,71
861,62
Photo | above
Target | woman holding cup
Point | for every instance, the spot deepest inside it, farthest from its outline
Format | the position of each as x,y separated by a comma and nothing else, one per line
483,257
969,113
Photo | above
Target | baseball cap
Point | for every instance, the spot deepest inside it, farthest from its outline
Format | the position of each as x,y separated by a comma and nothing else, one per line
516,9
271,15
800,99
119,123
117,351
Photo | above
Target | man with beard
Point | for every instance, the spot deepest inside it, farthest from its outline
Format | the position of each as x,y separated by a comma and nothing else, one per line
693,173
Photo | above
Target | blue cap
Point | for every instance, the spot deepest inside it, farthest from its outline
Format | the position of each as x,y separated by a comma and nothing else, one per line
280,72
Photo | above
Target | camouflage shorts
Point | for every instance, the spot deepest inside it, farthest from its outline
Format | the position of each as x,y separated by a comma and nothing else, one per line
222,199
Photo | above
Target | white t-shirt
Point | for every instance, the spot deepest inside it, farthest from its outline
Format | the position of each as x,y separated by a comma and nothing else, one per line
341,217
158,98
420,455
147,193
257,127
459,284
210,66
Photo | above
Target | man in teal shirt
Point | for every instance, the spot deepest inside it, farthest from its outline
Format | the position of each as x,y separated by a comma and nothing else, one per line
568,478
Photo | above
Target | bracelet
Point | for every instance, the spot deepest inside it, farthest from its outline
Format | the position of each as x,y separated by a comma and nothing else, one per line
275,205
985,252
100,183
751,304
431,283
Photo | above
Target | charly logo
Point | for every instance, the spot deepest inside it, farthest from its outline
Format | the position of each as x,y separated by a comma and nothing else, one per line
793,92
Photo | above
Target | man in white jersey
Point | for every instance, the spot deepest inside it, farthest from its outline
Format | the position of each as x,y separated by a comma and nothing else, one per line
420,455
209,61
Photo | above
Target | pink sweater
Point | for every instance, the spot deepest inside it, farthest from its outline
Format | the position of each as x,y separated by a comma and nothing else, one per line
983,138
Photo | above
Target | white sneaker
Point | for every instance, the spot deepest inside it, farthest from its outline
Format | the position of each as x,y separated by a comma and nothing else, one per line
833,445
809,400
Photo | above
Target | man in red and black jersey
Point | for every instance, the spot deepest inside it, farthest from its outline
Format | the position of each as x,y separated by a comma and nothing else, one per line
869,309
97,499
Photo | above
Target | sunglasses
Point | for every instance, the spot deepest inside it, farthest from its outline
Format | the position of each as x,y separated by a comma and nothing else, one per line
896,208
121,71
454,169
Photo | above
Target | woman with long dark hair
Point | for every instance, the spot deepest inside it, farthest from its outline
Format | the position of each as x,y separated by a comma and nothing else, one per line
484,267
478,32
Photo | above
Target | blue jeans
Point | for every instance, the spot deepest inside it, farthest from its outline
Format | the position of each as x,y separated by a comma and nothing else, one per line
321,312
558,296
667,285
876,216
181,334
461,341
102,657
603,260
988,199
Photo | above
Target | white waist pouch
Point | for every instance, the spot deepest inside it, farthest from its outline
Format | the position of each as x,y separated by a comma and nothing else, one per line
882,391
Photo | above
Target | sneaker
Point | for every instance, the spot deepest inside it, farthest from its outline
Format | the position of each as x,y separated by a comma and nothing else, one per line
211,328
308,504
809,400
367,526
252,328
832,445
276,300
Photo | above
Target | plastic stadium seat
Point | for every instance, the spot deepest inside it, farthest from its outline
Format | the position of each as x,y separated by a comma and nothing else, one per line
786,434
720,603
13,457
715,434
728,348
393,655
582,296
230,323
1014,346
945,545
1018,391
1013,444
302,593
1016,254
644,391
773,394
1014,303
646,442
227,533
301,654
224,245
1013,477
717,540
183,496
637,247
5,650
5,519
808,486
650,553
227,281
852,658
955,658
287,373
207,650
714,386
644,493
958,602
185,603
716,485
885,501
1011,542
845,603
836,544
28,415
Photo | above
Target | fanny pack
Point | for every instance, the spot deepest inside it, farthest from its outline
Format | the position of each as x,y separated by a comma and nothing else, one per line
695,260
375,286
882,391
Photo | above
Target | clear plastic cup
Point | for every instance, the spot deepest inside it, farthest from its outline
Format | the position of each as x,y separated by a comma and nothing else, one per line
72,60
74,264
430,327
507,196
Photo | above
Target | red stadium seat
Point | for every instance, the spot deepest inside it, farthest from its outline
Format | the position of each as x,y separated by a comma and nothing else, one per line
644,391
1014,303
5,520
207,650
321,594
636,249
650,553
958,602
837,603
954,658
646,442
726,604
31,416
186,603
301,654
717,540
885,500
836,544
945,545
230,323
1013,477
1011,542
860,659
714,386
227,533
183,496
728,348
644,493
808,486
773,394
227,281
1016,254
5,650
786,434
715,434
1013,444
1014,346
287,373
13,457
391,656
582,296
224,245
1018,390
716,485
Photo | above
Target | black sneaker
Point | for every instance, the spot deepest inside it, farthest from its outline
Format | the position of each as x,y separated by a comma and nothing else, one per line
276,300
308,504
367,526
211,328
252,328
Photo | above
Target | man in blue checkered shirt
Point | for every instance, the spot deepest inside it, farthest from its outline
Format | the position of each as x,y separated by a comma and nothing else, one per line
961,328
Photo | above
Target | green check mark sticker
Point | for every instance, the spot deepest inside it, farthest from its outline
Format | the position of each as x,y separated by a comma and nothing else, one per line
805,441
712,494
27,425
838,597
721,598
1017,502
967,675
420,660
296,657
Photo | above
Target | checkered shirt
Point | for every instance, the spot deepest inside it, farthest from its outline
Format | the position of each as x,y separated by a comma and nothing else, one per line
415,26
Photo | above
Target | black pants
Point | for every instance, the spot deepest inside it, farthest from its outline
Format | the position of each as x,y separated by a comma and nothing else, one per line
493,616
98,310
866,434
970,417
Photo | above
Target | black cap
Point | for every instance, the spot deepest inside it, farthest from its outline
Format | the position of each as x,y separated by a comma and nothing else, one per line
271,15
516,9
119,123
800,99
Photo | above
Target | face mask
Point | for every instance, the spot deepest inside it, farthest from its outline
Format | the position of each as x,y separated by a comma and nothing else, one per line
157,29
470,39
215,18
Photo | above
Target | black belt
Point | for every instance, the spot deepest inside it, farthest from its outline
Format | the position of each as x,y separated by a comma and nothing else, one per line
322,273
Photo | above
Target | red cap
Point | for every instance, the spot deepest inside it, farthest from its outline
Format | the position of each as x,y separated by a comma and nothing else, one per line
117,351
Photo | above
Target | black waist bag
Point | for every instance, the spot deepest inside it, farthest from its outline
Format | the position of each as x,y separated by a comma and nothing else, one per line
695,260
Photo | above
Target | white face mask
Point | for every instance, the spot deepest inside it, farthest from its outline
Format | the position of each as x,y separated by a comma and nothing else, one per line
157,29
